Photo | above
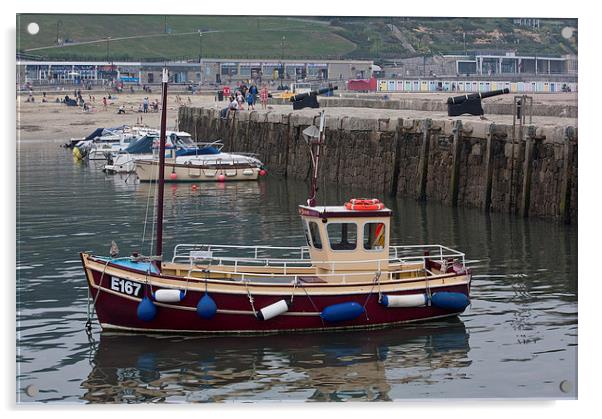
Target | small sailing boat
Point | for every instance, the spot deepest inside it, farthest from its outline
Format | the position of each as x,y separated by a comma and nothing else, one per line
346,276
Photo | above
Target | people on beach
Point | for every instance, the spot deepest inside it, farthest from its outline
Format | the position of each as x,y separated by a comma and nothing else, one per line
104,103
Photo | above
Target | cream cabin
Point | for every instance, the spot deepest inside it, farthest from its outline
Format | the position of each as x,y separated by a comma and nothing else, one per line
342,238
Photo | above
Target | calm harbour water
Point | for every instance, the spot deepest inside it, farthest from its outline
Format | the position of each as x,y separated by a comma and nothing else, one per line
518,338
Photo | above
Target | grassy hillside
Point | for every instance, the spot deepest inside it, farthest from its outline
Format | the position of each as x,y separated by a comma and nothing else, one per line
176,37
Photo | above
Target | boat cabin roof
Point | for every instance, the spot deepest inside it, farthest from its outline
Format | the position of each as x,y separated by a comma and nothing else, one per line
341,211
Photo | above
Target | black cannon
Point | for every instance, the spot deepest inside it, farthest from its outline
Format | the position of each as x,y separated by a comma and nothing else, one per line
470,104
309,100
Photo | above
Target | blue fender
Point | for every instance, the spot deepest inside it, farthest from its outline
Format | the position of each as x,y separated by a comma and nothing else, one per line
342,312
206,308
147,310
454,301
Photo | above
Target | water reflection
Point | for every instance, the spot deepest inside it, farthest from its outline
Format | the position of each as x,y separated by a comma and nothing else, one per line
318,367
522,320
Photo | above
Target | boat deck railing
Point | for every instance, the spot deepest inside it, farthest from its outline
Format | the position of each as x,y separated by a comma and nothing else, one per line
290,258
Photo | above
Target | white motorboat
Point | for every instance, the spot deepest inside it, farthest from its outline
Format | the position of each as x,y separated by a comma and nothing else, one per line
208,166
146,148
109,143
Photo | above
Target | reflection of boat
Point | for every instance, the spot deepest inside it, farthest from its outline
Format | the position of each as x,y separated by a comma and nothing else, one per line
346,277
334,366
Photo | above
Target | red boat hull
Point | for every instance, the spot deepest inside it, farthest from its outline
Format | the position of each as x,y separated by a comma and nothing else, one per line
235,314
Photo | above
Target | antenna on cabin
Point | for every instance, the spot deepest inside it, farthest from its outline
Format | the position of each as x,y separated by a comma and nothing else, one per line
314,137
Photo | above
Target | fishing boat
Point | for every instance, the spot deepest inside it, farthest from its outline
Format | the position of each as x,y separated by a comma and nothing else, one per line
347,275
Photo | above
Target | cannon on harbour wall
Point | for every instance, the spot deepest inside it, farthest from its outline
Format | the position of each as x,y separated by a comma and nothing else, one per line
470,104
309,100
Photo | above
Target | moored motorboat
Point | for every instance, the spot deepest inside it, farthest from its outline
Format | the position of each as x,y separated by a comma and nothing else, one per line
146,148
201,167
346,276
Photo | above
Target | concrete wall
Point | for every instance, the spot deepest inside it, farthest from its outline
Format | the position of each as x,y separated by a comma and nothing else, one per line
473,164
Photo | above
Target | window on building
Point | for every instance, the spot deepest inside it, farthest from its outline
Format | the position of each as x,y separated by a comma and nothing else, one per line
342,236
374,236
229,70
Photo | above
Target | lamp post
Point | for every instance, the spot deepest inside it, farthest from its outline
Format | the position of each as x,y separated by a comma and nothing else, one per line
58,25
200,56
200,45
282,59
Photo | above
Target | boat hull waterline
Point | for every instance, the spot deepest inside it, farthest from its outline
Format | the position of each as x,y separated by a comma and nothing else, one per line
239,302
147,172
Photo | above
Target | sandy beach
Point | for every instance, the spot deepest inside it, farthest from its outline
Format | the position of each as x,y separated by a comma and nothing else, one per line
58,122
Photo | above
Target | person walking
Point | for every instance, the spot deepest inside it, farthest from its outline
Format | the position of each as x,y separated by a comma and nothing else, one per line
145,105
254,92
263,96
250,100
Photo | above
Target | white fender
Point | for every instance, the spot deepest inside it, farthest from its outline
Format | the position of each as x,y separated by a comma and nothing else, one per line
273,310
168,296
412,300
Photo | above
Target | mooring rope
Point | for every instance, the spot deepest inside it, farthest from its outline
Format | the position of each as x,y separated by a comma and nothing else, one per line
312,303
88,325
250,298
375,281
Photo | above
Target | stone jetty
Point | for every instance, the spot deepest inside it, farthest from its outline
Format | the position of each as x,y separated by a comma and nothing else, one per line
490,164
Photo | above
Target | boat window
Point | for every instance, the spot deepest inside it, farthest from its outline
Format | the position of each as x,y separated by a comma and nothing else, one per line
374,236
342,236
306,231
315,234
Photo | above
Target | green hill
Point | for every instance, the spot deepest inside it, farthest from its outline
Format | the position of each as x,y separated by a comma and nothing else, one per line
157,37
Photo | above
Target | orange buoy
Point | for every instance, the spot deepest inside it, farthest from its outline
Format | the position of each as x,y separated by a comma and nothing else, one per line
364,204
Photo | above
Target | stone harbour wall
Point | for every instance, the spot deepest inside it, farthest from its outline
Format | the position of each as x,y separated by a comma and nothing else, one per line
528,171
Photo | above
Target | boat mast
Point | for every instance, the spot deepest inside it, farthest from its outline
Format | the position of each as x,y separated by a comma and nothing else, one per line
315,144
161,185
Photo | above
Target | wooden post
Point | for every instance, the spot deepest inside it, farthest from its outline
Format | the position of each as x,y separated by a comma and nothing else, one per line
565,186
526,192
423,162
488,168
453,184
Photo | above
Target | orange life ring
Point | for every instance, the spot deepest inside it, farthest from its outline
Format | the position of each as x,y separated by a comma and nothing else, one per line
364,204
